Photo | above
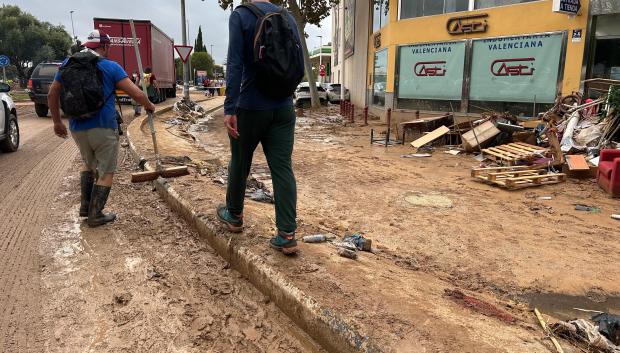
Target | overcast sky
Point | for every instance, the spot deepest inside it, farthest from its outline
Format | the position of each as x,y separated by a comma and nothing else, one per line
165,14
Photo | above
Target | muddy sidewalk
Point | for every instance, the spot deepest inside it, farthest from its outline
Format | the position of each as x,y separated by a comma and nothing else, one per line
505,249
146,283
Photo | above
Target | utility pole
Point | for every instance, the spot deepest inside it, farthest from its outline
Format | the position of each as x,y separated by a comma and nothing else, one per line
192,74
185,64
212,54
341,52
72,27
320,57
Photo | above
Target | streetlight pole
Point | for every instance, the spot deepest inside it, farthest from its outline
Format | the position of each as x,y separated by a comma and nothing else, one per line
72,27
186,63
212,53
320,57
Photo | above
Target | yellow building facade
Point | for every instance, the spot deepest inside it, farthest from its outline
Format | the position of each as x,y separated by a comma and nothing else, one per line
469,56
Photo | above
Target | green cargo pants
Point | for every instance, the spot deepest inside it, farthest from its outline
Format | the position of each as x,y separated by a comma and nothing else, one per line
275,130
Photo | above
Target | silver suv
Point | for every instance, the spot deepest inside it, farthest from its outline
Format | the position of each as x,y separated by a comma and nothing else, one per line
9,130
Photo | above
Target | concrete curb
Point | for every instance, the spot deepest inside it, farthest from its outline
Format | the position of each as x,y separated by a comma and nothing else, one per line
329,330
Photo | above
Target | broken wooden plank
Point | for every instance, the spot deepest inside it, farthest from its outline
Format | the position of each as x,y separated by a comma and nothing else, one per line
480,134
577,162
430,137
547,331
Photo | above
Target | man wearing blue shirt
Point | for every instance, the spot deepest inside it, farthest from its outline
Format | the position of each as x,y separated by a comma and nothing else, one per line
252,118
97,135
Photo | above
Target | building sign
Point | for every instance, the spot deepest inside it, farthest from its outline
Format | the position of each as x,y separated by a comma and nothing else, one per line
377,40
467,24
577,34
570,7
516,69
431,71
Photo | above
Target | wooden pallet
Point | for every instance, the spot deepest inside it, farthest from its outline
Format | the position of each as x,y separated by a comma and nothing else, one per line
514,152
517,177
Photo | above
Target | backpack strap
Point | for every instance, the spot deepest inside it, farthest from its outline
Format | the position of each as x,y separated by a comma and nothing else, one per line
254,9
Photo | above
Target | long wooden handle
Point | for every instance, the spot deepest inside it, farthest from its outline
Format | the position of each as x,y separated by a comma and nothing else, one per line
545,328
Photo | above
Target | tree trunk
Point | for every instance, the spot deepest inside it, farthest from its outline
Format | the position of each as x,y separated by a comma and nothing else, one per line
314,93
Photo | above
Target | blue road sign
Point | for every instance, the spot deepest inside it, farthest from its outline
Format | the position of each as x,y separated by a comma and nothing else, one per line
4,61
567,6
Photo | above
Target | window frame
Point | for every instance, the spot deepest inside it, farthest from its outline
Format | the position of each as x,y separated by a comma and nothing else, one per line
471,7
372,16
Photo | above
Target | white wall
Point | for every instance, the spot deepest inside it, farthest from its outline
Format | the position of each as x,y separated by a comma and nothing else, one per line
356,65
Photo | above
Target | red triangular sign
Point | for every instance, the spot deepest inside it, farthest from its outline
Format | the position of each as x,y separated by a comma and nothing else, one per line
183,51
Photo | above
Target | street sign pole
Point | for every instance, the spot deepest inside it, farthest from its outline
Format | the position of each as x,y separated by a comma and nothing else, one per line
4,62
186,63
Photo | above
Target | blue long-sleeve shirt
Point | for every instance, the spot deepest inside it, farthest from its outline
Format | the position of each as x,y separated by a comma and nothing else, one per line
241,89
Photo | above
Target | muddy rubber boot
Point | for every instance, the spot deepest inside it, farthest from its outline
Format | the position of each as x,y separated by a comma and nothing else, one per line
87,179
97,202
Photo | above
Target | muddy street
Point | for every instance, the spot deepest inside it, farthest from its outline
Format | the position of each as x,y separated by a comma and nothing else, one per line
145,283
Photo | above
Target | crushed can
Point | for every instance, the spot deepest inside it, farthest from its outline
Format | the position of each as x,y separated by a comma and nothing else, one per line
350,254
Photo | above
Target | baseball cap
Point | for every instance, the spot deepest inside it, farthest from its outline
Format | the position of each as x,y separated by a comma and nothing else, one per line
96,39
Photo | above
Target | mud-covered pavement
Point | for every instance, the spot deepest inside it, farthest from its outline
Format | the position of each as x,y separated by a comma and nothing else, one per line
145,283
507,249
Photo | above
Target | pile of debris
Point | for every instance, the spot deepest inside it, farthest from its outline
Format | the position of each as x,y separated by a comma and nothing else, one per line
517,152
600,335
347,247
188,111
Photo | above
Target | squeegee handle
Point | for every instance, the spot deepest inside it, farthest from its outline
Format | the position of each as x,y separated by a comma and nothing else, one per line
149,114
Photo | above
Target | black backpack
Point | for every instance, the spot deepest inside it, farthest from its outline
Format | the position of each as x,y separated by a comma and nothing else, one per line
277,58
82,86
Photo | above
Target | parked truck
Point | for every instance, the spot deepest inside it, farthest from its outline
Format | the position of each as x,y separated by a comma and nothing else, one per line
156,50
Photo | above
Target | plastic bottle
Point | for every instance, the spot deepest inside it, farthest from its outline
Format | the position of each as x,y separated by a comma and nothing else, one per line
318,238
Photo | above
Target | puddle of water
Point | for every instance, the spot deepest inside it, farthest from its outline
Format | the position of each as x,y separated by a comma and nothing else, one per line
563,306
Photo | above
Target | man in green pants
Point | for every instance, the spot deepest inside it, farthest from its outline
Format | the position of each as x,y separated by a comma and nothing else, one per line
252,118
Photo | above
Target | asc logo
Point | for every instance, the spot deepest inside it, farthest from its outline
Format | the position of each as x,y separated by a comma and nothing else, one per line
513,67
430,68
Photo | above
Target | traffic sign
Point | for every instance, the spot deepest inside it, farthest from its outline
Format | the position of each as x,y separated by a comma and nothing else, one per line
4,61
570,7
183,51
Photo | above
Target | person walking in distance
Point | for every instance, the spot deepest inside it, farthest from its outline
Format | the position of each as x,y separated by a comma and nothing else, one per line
137,109
264,68
84,87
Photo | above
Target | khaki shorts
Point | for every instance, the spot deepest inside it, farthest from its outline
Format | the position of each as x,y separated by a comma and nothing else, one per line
99,148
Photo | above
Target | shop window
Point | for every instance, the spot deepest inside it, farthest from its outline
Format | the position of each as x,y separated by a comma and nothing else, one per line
380,78
430,76
607,59
483,4
515,74
380,9
419,8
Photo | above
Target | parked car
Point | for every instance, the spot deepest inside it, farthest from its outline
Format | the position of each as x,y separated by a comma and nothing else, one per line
301,96
39,84
9,129
333,92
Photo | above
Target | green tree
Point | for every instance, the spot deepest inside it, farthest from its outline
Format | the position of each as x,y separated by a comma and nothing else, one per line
203,61
305,12
28,41
178,63
198,44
